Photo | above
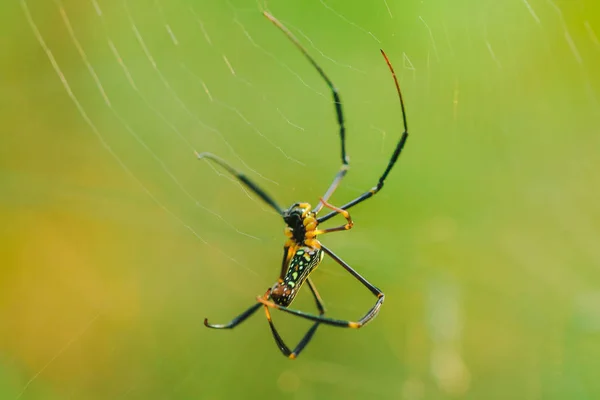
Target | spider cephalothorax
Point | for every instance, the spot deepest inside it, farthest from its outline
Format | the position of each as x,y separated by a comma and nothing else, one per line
301,224
302,252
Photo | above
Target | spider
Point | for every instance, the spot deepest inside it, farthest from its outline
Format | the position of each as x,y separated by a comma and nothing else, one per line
303,252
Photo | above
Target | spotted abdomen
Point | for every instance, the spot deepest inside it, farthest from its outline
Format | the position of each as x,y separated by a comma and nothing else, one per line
302,263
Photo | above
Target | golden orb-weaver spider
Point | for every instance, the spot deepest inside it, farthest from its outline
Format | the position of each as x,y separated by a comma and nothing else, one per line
303,252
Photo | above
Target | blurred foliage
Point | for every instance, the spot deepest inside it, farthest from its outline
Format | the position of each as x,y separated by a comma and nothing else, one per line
117,242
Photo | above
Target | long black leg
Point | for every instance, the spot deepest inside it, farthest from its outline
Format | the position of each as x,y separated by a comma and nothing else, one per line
284,263
242,178
378,293
376,188
334,91
337,322
336,99
317,296
236,321
281,344
392,161
240,318
309,334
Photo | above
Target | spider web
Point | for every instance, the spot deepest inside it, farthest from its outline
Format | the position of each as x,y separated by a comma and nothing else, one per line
135,240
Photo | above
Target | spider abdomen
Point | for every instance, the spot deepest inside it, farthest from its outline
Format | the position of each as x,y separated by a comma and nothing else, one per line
302,263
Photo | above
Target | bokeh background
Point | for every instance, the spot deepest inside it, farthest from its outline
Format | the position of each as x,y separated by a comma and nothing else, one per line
116,242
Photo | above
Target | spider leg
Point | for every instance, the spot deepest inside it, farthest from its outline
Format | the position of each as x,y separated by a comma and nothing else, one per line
242,178
288,252
337,322
307,336
377,292
336,100
392,161
236,321
374,189
349,224
316,295
334,185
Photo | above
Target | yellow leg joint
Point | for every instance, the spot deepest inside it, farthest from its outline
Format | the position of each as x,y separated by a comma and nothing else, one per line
314,243
309,220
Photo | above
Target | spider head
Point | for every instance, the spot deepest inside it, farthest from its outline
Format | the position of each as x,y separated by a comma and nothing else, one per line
294,215
299,219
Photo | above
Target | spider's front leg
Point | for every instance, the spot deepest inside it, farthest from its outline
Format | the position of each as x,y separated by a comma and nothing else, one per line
349,224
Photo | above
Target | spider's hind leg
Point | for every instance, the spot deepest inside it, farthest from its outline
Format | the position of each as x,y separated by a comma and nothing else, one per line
372,313
307,336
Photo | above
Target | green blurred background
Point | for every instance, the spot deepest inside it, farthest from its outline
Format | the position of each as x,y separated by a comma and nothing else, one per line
116,242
